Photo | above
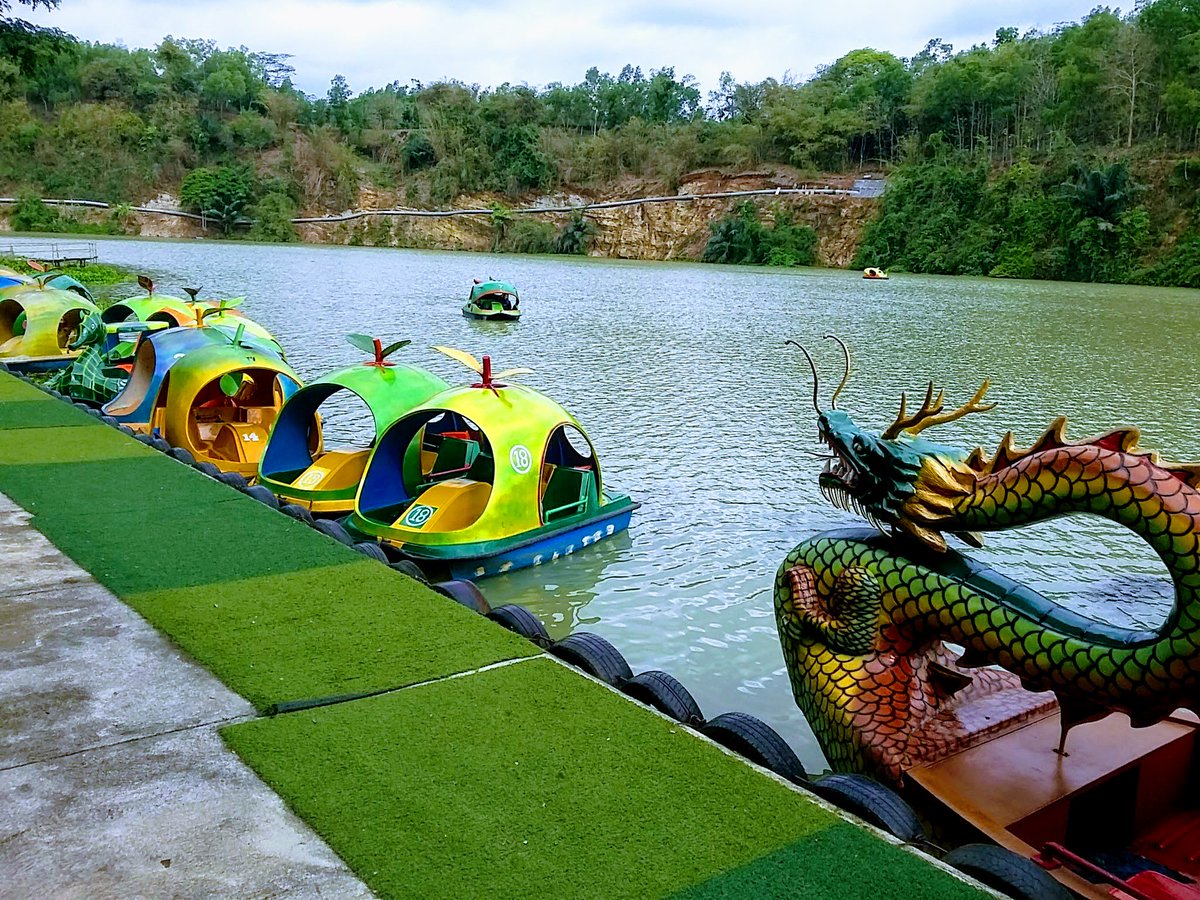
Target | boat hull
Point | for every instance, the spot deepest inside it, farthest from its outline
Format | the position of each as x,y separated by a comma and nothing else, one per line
498,315
545,545
38,363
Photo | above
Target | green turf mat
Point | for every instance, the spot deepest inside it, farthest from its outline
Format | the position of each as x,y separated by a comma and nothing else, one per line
40,412
529,780
14,388
191,544
844,862
344,629
23,446
115,492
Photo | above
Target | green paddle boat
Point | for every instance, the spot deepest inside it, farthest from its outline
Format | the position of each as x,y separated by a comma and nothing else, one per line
176,311
496,301
39,324
215,391
299,468
486,478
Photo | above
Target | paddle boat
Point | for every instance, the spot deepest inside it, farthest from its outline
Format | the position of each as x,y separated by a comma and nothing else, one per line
298,466
58,280
496,301
38,323
224,391
175,311
873,274
1068,741
484,479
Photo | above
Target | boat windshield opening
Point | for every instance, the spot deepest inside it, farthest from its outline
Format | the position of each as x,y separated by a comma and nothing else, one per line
10,312
347,422
433,470
68,327
231,416
570,478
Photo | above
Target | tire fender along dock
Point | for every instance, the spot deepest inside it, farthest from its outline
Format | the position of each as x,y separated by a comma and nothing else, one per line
427,750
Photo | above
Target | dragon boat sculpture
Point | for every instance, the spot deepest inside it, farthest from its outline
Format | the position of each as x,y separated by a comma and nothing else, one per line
918,665
102,368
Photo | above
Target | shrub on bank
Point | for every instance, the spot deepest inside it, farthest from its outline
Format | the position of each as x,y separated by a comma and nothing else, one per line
741,238
273,219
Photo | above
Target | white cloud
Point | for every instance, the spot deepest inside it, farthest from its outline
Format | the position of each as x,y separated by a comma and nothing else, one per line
534,41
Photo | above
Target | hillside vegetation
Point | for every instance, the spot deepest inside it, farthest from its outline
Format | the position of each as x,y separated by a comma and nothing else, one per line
1068,154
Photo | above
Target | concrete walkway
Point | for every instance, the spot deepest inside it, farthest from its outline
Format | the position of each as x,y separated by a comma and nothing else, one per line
113,779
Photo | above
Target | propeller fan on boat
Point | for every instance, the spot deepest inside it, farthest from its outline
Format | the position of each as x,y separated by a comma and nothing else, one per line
43,275
374,346
222,306
482,369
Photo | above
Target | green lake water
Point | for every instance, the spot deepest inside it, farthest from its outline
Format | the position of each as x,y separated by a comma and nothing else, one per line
680,374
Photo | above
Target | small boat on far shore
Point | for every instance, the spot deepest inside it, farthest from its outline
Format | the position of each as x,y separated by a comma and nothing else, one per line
493,300
875,274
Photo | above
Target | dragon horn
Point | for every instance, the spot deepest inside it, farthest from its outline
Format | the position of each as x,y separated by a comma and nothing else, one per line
812,365
846,376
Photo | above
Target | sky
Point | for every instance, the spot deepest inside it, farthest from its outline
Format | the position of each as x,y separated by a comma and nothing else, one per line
536,42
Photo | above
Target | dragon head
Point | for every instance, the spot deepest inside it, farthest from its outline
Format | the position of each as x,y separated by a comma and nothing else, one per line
92,331
897,480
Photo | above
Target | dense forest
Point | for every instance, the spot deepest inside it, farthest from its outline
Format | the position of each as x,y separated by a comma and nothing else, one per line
1073,153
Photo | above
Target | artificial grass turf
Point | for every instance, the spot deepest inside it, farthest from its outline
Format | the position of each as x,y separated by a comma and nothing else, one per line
14,388
346,629
796,871
72,443
150,523
39,413
528,780
277,610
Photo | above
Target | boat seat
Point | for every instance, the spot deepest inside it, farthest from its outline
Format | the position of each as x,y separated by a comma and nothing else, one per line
334,470
568,492
450,505
483,468
241,442
454,457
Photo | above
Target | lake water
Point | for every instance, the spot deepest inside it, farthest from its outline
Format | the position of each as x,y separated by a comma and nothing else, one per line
697,409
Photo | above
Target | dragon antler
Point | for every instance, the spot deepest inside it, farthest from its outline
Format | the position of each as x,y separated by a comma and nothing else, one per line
931,413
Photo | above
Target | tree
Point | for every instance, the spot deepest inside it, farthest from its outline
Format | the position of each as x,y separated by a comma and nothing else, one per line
338,98
273,219
218,192
1129,61
6,5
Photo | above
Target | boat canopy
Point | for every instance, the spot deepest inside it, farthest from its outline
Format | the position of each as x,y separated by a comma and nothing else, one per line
388,391
493,288
38,322
154,308
511,437
157,353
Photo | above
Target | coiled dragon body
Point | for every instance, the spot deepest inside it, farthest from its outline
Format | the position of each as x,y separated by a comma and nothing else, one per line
863,616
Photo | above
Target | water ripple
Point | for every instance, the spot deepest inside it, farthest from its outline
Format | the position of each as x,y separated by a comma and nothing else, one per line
696,408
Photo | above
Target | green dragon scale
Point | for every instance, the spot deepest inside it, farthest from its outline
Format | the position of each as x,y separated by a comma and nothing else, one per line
863,615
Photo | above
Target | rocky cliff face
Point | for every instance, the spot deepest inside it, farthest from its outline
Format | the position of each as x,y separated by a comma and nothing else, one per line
666,230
